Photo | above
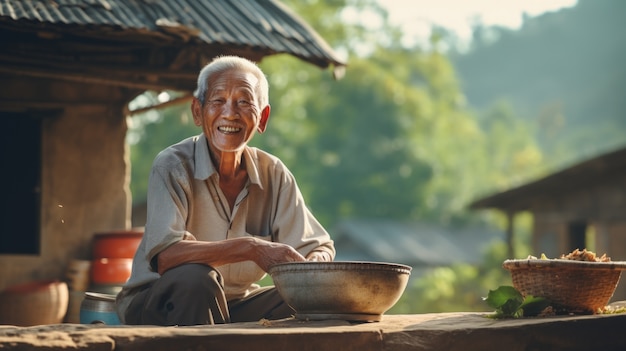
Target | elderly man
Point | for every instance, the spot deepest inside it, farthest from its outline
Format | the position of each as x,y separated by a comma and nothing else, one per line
220,214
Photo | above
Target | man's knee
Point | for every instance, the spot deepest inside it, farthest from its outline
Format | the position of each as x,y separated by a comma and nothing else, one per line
189,294
194,278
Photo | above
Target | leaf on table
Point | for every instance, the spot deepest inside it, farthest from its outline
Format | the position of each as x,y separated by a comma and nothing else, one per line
500,296
509,303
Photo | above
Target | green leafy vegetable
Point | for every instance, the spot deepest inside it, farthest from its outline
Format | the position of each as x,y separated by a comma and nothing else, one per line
509,303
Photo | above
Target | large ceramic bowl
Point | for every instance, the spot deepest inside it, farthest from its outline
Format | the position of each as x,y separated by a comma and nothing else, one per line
351,290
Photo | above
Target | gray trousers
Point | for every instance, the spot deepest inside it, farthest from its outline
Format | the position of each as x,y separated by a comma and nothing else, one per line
193,294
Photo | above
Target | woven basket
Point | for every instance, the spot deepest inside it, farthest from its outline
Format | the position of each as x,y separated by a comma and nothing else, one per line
571,286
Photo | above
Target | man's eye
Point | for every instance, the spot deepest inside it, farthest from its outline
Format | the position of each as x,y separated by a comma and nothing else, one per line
243,102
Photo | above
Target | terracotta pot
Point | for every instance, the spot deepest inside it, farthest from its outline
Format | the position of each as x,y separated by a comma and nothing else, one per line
34,303
111,270
117,244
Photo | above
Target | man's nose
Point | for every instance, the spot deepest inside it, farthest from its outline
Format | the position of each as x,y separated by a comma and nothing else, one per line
230,109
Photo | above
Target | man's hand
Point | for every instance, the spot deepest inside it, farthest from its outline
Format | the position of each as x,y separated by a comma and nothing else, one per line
270,253
322,256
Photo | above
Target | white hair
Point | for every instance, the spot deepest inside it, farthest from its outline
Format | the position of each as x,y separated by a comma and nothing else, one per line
222,64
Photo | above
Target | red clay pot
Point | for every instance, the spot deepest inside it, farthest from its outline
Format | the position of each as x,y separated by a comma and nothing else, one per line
111,270
117,244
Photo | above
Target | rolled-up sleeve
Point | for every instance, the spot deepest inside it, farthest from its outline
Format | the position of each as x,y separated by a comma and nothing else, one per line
167,210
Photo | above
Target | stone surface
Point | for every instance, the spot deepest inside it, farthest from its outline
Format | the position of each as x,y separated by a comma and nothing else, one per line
441,331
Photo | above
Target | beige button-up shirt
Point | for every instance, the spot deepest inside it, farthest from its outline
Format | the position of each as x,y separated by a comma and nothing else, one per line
184,196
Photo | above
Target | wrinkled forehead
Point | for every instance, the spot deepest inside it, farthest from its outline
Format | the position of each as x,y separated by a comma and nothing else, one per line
233,79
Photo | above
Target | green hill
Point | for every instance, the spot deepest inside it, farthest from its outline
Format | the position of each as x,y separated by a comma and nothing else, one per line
564,72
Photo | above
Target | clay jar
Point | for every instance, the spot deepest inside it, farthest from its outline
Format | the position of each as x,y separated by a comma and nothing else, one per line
110,271
117,244
34,303
113,256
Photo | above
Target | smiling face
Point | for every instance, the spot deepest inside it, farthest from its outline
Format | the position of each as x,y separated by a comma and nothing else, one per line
231,113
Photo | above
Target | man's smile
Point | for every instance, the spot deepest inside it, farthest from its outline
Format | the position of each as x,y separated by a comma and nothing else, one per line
228,129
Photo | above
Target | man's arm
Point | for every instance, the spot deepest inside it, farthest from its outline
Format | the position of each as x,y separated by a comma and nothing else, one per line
218,253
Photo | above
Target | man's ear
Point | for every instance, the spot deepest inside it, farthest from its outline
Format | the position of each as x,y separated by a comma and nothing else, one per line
265,116
196,111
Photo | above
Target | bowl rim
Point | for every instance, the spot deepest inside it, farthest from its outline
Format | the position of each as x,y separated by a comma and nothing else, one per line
513,264
308,266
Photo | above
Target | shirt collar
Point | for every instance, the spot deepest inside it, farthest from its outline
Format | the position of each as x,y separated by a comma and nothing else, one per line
205,168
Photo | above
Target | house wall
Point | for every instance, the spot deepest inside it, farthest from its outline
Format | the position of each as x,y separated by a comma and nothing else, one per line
85,175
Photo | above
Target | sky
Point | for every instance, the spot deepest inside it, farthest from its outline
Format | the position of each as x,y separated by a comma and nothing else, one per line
417,16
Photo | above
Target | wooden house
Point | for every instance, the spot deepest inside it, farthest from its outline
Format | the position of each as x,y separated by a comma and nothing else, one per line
582,206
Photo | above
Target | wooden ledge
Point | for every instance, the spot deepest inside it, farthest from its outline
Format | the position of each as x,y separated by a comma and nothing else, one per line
437,331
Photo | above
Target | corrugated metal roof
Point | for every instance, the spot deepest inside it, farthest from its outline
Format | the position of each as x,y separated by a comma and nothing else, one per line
597,170
266,24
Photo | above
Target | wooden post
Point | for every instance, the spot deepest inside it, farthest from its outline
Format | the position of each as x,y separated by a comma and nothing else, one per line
510,225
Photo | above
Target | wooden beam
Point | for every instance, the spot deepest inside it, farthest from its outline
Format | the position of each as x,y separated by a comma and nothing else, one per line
41,105
131,81
104,69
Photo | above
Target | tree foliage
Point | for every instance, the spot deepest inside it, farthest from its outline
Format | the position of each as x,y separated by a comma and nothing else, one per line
392,139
